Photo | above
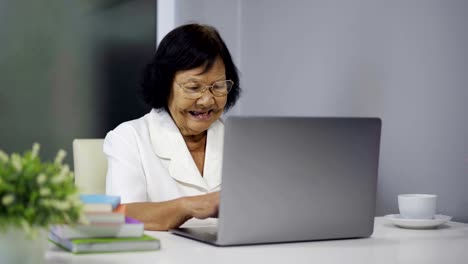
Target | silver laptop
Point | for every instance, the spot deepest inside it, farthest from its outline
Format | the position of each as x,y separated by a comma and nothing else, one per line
288,179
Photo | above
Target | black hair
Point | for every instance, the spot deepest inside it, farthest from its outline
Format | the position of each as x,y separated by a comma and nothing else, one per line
184,48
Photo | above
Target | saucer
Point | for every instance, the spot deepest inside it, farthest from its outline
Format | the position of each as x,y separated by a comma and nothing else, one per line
399,221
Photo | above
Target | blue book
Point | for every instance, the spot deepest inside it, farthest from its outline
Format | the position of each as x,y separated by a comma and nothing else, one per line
100,199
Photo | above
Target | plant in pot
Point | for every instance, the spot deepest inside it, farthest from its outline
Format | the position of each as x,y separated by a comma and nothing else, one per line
33,195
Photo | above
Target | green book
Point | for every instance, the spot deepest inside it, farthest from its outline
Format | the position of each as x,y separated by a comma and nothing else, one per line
110,244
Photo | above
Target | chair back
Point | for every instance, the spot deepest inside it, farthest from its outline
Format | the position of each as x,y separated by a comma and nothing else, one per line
90,166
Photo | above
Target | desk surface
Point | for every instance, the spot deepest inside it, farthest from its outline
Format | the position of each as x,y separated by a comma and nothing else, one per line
388,244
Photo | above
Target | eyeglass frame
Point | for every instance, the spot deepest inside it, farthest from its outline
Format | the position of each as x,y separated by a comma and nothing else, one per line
206,87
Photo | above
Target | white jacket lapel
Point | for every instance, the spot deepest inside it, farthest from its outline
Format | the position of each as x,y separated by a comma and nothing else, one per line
169,145
182,166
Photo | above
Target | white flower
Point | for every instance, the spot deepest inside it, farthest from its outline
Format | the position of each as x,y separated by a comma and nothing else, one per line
65,169
16,162
8,199
44,191
57,204
41,178
61,205
35,150
45,202
74,199
3,156
62,175
60,156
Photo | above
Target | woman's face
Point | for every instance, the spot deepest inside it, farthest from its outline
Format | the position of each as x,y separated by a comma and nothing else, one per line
195,116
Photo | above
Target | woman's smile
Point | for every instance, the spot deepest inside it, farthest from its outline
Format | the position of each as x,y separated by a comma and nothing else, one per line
202,115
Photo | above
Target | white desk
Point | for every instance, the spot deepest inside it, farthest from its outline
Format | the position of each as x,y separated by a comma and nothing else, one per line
388,244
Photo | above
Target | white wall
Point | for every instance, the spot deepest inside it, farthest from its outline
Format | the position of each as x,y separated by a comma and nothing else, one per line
404,61
425,78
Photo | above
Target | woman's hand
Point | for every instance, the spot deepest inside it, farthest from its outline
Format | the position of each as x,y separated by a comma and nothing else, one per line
173,213
202,206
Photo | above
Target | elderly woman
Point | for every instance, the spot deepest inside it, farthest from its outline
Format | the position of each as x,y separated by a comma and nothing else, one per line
166,165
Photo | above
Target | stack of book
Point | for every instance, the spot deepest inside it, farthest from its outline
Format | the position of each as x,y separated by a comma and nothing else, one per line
104,229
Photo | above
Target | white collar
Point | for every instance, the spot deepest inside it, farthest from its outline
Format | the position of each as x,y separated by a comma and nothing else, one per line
169,144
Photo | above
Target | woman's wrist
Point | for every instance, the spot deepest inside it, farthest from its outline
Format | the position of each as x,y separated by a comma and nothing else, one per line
185,205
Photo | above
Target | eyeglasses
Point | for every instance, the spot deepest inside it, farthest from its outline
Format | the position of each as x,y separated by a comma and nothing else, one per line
195,90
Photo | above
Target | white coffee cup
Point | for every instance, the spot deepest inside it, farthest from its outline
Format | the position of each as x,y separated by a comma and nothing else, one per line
417,206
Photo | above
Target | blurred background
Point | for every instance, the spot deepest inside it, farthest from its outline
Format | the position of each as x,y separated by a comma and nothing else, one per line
70,69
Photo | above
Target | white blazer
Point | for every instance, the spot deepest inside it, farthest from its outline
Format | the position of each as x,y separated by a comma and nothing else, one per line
148,160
